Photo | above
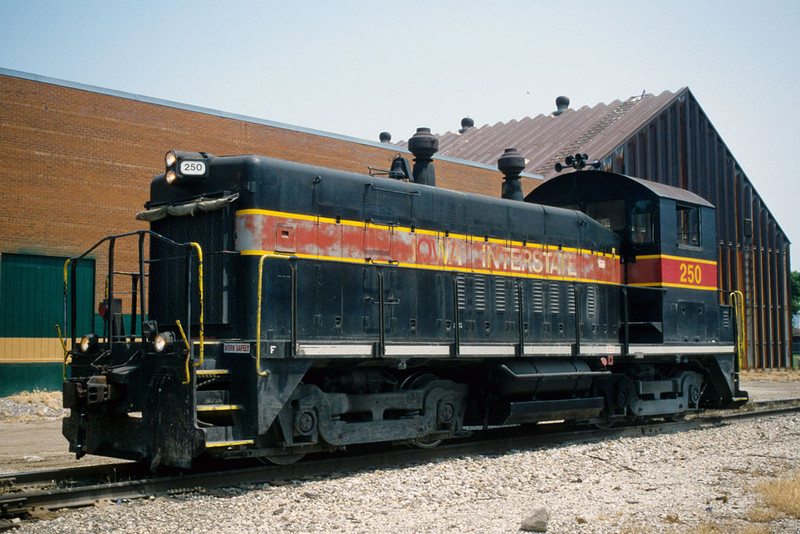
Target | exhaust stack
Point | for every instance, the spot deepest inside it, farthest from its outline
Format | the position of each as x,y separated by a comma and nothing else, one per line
423,145
511,164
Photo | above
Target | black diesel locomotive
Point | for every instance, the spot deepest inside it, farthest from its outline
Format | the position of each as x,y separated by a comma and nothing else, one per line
279,309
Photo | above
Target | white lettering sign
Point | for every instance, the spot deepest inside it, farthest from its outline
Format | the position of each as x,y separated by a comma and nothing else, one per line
237,348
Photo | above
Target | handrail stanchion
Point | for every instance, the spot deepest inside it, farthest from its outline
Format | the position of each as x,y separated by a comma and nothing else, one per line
258,316
200,283
736,301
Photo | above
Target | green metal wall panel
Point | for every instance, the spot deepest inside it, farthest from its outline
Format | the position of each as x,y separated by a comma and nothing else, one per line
18,377
31,295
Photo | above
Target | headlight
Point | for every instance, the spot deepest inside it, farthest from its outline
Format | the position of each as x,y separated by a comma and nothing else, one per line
88,343
162,340
170,158
171,176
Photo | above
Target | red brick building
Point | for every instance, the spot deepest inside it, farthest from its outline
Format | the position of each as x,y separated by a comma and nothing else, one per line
76,166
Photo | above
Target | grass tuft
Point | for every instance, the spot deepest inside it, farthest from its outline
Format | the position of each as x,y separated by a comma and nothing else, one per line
51,399
782,494
771,375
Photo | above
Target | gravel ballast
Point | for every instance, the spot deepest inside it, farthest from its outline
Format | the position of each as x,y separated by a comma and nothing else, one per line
695,481
32,407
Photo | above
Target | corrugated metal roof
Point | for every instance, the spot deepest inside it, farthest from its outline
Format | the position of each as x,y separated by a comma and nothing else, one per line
546,139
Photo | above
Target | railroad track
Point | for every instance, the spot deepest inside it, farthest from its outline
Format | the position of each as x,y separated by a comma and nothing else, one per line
77,487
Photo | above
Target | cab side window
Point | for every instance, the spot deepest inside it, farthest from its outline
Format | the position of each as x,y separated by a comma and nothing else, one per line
642,222
688,225
609,213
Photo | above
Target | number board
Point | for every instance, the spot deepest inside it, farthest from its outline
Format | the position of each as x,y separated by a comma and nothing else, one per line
192,168
673,271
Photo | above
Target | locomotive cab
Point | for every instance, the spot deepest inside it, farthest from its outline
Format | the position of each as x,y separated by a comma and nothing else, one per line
667,237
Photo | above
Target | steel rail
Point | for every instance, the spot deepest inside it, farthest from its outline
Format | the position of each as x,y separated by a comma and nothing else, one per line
60,476
495,441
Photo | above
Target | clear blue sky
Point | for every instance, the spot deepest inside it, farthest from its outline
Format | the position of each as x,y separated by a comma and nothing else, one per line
360,67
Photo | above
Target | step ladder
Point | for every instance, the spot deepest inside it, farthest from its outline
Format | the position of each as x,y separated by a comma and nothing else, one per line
220,419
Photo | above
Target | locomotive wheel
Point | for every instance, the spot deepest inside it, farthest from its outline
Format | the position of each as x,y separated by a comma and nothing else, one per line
281,459
425,443
603,425
416,381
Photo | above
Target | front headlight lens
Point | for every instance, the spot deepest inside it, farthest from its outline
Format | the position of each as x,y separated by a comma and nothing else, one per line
88,343
162,340
160,343
171,176
170,158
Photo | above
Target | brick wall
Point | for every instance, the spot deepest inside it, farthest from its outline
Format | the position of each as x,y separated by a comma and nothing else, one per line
76,164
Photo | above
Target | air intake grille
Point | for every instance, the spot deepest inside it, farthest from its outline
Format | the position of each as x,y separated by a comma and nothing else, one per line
554,298
516,289
499,295
538,297
571,300
461,290
591,305
480,293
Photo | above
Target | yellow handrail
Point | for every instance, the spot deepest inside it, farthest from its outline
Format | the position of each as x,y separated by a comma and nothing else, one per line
736,301
66,350
200,275
188,351
258,317
66,265
58,328
106,289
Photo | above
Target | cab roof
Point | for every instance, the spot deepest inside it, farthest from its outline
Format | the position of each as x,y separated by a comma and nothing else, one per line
579,186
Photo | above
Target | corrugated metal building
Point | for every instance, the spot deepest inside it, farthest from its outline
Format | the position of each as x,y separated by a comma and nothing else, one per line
668,139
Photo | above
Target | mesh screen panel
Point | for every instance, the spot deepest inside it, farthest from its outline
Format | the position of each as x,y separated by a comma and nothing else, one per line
174,270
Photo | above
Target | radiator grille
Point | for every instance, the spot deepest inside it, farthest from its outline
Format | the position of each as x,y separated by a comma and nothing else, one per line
174,270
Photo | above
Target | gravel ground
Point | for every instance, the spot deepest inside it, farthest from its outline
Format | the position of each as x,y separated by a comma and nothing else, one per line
697,481
31,407
702,481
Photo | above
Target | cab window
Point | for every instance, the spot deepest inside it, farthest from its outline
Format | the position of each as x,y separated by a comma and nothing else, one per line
642,222
688,225
609,213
